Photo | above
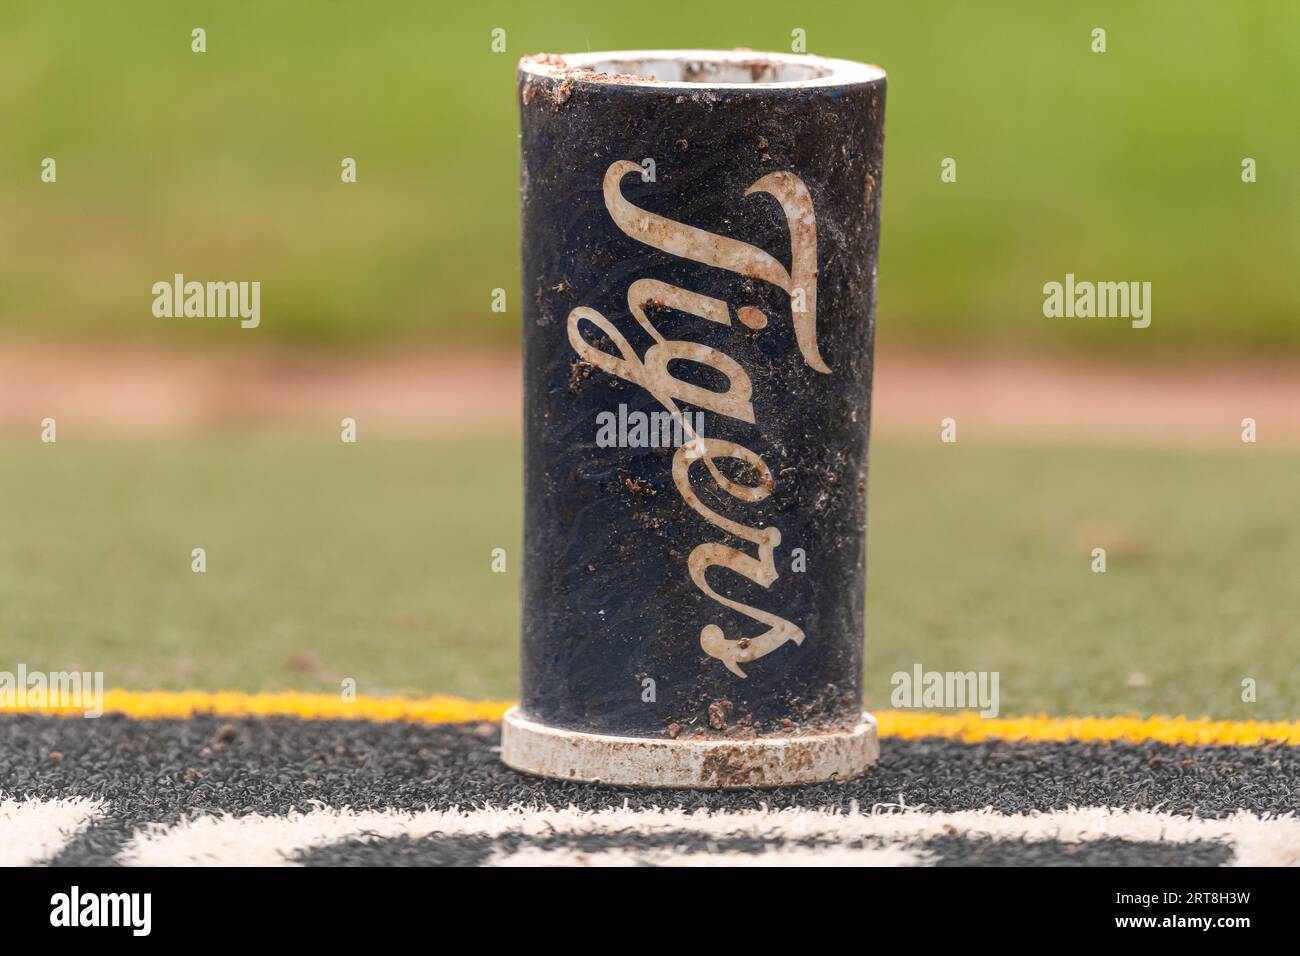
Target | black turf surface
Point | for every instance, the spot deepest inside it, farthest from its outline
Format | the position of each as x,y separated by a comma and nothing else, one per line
163,770
943,851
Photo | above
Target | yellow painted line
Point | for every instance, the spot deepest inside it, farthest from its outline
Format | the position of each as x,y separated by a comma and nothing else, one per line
968,726
906,724
438,709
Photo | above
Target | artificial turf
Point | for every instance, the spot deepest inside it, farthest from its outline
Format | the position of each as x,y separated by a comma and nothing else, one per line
373,561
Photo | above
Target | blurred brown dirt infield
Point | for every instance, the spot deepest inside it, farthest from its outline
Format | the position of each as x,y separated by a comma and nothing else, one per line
429,392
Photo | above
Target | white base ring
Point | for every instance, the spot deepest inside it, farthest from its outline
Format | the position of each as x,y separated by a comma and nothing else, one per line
713,764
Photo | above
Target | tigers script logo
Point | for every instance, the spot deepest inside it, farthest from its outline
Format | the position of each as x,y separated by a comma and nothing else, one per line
651,373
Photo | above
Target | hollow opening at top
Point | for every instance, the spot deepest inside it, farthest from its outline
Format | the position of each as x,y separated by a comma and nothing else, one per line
756,70
713,68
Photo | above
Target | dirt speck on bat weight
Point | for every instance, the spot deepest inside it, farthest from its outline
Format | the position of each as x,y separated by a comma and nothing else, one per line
639,486
718,712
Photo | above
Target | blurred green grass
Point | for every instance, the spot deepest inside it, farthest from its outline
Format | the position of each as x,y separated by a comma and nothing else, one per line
371,561
1123,165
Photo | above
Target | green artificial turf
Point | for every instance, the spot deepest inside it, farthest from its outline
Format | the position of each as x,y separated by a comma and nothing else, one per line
372,561
225,165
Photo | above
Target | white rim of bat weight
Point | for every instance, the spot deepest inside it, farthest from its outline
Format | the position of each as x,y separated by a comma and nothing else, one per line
694,763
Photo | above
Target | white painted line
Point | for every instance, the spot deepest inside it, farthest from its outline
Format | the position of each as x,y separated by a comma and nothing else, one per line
32,831
259,840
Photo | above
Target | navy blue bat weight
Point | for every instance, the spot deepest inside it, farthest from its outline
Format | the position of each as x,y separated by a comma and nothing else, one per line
700,234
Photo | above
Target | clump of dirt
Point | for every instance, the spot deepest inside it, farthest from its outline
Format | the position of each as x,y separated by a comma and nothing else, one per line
639,486
560,79
718,712
580,373
547,59
562,93
225,734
